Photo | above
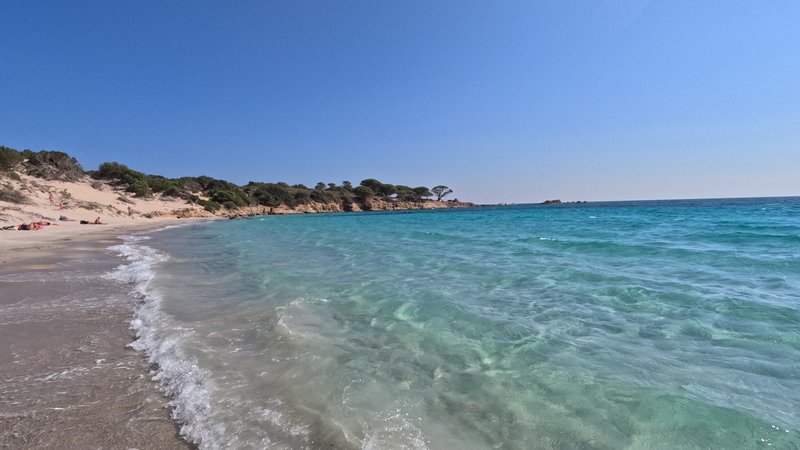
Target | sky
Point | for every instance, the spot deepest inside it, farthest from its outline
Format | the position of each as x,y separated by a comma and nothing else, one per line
503,101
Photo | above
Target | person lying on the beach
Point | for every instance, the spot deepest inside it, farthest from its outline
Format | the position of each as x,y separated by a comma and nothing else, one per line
64,219
33,226
96,222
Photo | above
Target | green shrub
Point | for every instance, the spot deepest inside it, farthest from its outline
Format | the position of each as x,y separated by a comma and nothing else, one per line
301,197
272,194
264,198
51,165
7,194
9,157
175,192
14,176
209,205
189,184
319,196
226,196
140,188
160,184
111,171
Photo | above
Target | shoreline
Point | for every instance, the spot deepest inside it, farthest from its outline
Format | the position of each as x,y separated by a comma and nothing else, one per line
14,241
69,376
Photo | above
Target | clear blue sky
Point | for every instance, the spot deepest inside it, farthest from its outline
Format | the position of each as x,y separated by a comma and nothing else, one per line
503,101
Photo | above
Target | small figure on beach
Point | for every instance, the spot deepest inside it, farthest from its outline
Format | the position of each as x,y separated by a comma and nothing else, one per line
52,200
97,221
33,226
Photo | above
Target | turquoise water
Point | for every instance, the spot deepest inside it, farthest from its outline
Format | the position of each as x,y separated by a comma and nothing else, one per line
603,326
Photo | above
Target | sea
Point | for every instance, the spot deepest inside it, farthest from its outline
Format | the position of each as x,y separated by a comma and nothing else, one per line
610,325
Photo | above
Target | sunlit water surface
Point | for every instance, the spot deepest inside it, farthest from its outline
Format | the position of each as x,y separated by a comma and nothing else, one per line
601,326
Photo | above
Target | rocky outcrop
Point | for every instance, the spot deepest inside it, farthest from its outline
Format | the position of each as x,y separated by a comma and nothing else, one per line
314,208
559,202
185,213
383,205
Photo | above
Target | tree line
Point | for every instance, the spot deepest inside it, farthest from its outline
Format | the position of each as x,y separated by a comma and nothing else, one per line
214,194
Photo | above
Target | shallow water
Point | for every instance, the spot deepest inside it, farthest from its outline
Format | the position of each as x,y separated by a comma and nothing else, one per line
600,326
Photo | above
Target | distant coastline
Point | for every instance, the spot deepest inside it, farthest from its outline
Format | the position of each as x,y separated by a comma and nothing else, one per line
48,185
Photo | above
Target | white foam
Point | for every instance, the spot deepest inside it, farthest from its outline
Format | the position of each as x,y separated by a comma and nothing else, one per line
393,428
178,225
180,378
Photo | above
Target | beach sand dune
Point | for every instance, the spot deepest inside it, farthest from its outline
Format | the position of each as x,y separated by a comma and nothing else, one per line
84,199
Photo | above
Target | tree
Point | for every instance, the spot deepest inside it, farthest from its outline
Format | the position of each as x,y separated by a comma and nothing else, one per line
405,193
441,192
422,192
387,190
140,188
363,193
373,184
320,186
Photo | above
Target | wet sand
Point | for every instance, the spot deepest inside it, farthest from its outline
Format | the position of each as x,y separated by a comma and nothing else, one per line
67,376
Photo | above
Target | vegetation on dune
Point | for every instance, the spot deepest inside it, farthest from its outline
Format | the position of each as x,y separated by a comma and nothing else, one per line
211,193
53,166
9,194
9,158
44,164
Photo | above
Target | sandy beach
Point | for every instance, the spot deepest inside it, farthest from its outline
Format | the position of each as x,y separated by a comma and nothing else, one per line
67,376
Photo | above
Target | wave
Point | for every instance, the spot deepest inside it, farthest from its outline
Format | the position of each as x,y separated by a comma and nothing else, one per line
180,378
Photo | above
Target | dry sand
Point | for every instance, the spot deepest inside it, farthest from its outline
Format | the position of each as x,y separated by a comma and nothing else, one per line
67,376
85,199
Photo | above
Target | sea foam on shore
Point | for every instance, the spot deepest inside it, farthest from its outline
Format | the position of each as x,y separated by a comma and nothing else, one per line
178,375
